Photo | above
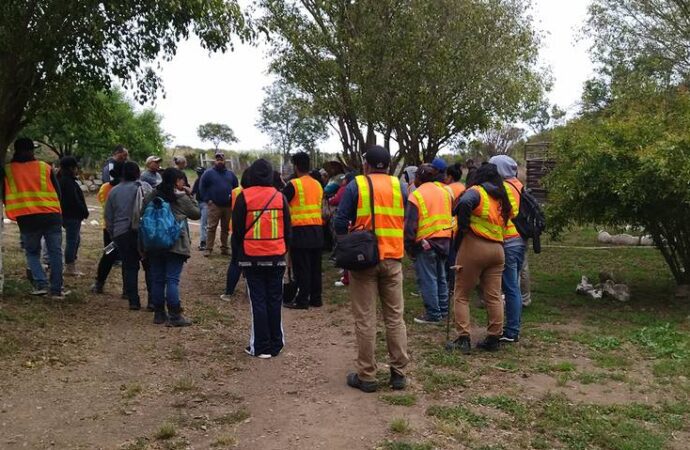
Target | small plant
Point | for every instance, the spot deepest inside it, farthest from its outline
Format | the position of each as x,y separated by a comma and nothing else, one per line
129,391
456,414
399,399
234,417
400,426
178,354
166,431
225,440
184,384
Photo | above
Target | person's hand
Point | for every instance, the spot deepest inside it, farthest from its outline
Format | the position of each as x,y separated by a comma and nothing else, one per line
188,190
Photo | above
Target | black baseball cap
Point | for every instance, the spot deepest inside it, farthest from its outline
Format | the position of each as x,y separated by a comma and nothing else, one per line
378,157
24,145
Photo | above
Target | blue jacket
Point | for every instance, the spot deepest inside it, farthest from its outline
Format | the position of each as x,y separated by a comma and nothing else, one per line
216,185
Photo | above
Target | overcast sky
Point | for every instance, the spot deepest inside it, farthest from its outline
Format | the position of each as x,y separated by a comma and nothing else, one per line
227,88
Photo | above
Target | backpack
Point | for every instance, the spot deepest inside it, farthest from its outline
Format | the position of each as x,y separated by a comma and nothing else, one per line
158,229
530,221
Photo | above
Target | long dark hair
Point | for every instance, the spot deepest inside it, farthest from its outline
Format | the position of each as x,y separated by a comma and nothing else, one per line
488,173
166,189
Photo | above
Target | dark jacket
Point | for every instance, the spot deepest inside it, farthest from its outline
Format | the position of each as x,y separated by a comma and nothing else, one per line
216,185
310,236
260,175
468,201
72,199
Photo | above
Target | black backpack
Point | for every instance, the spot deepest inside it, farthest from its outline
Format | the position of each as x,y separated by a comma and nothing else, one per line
530,221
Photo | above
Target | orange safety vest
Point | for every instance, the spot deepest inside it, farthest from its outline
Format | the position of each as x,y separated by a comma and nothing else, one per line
267,236
305,206
458,189
513,188
233,198
29,190
102,196
486,220
389,210
434,204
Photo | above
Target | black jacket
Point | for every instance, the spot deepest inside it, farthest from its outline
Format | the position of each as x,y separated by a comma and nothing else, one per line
72,199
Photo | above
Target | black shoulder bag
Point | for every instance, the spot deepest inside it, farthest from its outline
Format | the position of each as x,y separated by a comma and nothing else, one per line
359,249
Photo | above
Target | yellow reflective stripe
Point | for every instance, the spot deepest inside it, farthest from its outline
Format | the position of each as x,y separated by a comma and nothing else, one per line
488,228
306,216
485,203
18,195
257,225
9,176
274,223
389,211
363,186
14,206
511,198
423,211
432,229
389,232
397,195
305,208
435,218
299,187
43,177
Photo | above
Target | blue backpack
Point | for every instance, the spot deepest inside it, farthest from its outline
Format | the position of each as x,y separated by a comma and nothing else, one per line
159,230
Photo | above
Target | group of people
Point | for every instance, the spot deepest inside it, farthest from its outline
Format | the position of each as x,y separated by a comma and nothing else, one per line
457,236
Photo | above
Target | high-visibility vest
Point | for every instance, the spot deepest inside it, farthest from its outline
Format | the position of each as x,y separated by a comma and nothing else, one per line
486,220
29,190
513,188
102,196
233,198
267,236
305,206
458,189
434,203
389,210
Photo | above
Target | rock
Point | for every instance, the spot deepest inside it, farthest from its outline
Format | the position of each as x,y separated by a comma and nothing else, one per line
93,188
604,237
98,182
94,223
584,287
647,241
84,188
619,292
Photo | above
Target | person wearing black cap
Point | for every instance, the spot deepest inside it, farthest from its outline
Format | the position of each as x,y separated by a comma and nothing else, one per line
261,234
74,210
385,280
32,198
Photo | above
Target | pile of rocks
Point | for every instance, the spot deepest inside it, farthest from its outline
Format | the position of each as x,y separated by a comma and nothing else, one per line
606,288
91,184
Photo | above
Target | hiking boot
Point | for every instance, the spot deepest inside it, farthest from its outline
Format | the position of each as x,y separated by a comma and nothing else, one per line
176,319
364,386
316,304
295,306
159,316
39,291
248,351
508,340
202,246
150,307
134,306
427,320
227,297
70,270
398,381
60,295
461,344
489,344
96,288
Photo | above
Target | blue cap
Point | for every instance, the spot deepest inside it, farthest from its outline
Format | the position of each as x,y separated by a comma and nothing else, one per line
439,164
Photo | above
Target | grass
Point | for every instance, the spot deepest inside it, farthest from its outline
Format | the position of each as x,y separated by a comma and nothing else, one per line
225,440
184,384
131,390
434,380
166,431
399,399
402,445
234,417
456,414
503,403
400,426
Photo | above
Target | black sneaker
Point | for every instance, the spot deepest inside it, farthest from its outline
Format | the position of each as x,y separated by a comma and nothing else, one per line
295,306
427,320
202,246
134,306
150,308
160,317
364,386
490,344
178,320
398,380
461,344
508,340
96,288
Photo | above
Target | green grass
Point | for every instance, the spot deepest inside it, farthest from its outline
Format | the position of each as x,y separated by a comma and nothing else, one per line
166,431
225,441
129,391
234,417
401,445
456,414
399,399
504,403
663,341
435,380
400,426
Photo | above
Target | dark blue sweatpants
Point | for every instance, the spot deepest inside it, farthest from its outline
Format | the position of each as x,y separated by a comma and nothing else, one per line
265,286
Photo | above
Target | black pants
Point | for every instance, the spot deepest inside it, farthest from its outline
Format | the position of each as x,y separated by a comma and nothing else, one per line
306,267
265,287
127,246
105,264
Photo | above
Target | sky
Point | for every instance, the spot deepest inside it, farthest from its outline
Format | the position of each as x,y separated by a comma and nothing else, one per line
227,88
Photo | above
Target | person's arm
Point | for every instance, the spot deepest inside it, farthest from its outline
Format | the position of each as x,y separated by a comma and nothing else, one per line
347,209
238,217
80,198
463,211
289,191
108,215
411,225
56,183
189,207
287,223
204,185
195,187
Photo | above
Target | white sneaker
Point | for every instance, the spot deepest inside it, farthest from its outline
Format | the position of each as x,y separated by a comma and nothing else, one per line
261,356
39,291
414,294
339,284
60,296
226,297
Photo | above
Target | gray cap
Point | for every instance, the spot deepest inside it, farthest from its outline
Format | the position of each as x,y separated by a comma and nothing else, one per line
507,167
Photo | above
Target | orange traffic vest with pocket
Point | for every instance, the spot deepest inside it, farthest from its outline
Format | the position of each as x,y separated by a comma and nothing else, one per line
513,188
102,196
458,189
389,210
305,206
233,198
486,220
434,204
267,236
29,190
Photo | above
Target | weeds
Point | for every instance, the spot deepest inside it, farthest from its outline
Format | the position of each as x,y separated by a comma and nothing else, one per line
400,426
166,431
399,399
454,414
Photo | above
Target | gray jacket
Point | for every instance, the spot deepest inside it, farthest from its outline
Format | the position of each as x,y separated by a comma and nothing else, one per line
120,205
185,207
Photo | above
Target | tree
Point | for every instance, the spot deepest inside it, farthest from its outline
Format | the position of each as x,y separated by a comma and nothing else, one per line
90,125
216,133
501,140
290,121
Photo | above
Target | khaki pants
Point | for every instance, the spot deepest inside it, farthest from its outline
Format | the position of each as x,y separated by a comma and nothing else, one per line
481,261
384,281
525,285
217,214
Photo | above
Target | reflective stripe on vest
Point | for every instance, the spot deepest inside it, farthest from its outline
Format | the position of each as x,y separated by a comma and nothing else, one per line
29,190
437,199
485,220
266,236
233,198
509,231
305,206
389,210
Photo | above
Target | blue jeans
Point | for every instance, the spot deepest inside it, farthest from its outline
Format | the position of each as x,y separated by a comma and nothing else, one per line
203,232
431,279
72,239
32,248
233,276
515,256
166,268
